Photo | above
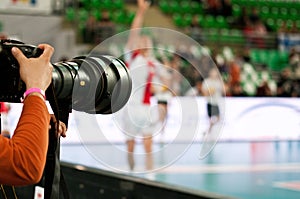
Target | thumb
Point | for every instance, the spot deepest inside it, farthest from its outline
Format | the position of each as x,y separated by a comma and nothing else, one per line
17,53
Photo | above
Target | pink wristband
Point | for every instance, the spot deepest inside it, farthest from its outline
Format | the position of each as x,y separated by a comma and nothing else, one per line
33,90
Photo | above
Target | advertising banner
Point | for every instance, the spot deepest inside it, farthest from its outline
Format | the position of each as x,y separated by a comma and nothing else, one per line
25,6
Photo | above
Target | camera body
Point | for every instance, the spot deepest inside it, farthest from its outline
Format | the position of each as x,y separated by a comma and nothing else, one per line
93,84
11,85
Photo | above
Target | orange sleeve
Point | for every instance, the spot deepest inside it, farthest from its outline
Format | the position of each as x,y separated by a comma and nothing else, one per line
23,157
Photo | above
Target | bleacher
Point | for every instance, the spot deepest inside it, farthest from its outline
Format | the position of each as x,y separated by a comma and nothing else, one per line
216,30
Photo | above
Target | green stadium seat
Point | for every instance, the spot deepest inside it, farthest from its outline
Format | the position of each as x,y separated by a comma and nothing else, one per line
83,14
293,13
283,13
184,7
208,22
275,12
107,4
70,14
221,22
129,17
200,19
119,17
164,7
187,18
118,4
237,36
175,7
263,56
272,24
225,36
236,10
196,8
178,20
212,35
95,4
86,3
97,14
265,12
297,23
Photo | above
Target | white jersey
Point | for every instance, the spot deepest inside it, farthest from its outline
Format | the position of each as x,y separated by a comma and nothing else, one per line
138,117
215,89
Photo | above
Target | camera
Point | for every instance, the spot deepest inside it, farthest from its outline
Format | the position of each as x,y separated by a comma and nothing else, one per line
93,84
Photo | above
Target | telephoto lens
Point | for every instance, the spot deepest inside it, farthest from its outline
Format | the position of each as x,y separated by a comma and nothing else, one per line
97,84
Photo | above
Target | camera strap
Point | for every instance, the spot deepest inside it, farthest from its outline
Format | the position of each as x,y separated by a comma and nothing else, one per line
53,179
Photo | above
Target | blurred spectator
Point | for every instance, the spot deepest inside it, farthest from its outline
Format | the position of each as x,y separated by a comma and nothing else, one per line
263,90
294,57
255,32
241,20
89,30
97,31
296,88
105,28
196,90
175,70
194,30
254,15
5,128
260,33
284,84
234,73
226,8
294,28
3,36
236,90
219,7
283,28
213,91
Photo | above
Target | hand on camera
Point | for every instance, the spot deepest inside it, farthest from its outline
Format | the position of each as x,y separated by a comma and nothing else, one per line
35,72
62,128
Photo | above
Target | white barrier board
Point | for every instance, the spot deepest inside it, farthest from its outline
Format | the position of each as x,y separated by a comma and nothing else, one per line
243,119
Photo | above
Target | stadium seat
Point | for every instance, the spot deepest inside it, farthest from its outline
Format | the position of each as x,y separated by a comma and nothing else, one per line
212,35
118,4
184,7
208,22
221,22
174,7
83,14
97,14
95,4
196,8
237,36
164,7
70,14
225,36
236,10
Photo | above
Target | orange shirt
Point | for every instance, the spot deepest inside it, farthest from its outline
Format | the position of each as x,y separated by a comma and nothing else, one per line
23,157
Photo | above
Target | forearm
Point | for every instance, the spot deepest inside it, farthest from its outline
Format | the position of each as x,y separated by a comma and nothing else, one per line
23,157
137,23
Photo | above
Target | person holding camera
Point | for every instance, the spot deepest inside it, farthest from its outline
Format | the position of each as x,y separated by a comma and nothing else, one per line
23,157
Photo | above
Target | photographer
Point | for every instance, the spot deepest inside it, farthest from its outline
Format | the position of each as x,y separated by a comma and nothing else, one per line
22,158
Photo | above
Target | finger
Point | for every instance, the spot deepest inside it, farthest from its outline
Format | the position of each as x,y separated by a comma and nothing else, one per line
62,129
18,54
47,51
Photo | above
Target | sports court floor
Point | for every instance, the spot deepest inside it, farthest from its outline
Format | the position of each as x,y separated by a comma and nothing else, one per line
260,170
239,165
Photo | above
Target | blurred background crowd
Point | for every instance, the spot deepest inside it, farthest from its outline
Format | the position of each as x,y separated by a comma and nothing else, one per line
254,43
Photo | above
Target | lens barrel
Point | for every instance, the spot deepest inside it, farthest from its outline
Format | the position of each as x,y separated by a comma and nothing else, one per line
97,84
